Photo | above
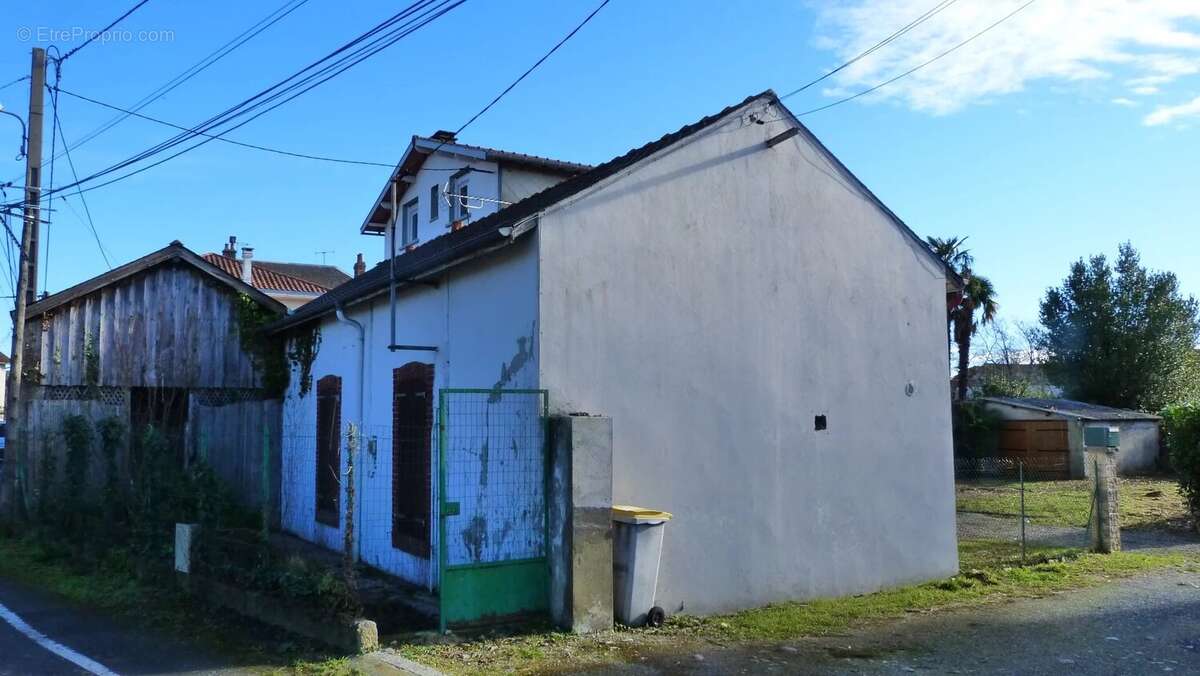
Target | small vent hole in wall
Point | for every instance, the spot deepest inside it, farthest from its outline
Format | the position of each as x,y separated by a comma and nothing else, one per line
819,423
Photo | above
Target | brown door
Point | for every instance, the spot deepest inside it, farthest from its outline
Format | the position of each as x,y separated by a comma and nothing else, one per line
1041,444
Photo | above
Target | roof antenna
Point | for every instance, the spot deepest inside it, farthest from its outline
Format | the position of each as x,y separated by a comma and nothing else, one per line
322,254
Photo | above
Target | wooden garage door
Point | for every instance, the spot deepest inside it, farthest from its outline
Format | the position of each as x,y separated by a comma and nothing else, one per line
1041,444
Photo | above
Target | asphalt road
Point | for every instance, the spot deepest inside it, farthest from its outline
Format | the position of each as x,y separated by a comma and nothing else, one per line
96,641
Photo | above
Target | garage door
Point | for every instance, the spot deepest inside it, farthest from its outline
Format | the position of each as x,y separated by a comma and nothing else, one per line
1041,444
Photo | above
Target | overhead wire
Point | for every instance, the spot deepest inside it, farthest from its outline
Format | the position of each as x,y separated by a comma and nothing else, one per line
196,68
104,30
83,200
930,13
226,140
393,30
921,65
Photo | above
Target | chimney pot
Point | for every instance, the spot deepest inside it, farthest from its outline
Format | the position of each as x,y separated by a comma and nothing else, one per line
247,265
230,250
444,136
360,266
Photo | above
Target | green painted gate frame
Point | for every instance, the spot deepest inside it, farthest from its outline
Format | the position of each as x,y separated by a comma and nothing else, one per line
531,570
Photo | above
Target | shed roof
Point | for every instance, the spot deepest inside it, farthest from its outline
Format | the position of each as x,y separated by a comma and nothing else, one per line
482,235
175,251
1072,408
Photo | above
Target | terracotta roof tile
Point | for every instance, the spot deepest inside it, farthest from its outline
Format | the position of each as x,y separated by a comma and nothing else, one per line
262,278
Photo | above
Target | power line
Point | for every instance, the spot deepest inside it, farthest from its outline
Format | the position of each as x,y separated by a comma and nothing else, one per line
104,30
919,66
16,81
931,12
196,68
130,113
91,224
292,86
529,70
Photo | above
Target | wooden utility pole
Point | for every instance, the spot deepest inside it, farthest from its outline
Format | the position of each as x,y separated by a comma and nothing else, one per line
10,498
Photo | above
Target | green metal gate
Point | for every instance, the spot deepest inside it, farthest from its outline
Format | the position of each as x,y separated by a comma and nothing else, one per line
492,488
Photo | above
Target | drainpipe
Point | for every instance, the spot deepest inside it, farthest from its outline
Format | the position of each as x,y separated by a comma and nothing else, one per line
392,268
362,351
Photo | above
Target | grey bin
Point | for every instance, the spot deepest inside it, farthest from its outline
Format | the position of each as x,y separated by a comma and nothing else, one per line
637,550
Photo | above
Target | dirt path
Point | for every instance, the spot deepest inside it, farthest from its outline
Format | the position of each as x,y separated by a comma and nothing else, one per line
972,526
1143,625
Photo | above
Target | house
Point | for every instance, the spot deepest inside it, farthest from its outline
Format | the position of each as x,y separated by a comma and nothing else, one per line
1031,377
1048,433
767,337
292,284
155,341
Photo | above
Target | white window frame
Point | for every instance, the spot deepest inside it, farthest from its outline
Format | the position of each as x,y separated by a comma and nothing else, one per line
410,218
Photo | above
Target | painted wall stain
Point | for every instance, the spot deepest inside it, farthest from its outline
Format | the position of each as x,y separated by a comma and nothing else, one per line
483,464
509,370
475,537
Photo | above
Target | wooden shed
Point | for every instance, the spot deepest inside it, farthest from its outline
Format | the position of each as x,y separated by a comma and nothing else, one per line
154,342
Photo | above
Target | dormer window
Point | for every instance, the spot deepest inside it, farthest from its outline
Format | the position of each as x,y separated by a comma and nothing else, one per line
408,224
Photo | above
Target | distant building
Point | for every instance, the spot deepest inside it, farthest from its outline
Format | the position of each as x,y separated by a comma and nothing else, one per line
1032,375
292,284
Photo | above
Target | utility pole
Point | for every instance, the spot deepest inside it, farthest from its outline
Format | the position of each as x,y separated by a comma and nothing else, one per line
26,284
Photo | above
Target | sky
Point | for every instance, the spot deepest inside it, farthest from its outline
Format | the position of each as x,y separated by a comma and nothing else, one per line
1060,132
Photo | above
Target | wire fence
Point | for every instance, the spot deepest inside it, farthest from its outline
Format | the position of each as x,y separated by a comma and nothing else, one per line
998,500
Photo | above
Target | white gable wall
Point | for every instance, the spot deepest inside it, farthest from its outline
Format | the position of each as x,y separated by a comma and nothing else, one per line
479,317
436,170
713,302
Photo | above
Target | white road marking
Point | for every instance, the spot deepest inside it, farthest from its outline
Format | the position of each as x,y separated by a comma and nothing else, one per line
53,646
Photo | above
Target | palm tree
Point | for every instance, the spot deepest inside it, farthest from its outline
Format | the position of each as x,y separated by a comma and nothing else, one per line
978,295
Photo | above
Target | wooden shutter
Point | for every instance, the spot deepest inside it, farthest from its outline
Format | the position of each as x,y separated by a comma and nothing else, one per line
329,449
412,479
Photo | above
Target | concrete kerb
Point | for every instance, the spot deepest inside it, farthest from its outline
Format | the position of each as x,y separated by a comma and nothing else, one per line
403,664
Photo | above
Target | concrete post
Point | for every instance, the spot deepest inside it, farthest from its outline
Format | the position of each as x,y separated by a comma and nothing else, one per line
186,536
1104,529
581,569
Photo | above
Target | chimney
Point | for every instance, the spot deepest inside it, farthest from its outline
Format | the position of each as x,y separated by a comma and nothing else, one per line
230,250
443,136
360,266
247,266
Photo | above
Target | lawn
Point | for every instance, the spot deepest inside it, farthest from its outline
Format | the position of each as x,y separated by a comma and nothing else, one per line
989,571
1144,502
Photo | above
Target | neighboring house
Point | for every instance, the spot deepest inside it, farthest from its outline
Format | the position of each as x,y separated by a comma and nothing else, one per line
767,336
152,342
1048,434
292,284
1033,376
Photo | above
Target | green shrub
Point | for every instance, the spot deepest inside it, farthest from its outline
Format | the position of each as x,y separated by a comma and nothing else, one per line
1181,423
976,429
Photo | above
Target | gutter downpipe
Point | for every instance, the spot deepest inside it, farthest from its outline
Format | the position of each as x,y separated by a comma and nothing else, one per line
392,268
362,349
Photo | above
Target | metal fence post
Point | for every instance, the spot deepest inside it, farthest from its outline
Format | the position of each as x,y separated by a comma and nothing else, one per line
1021,476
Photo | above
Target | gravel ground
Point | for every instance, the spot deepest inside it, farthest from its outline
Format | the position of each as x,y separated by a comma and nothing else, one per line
974,526
1143,625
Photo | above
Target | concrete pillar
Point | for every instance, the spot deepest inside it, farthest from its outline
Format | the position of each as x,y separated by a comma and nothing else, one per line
1104,529
581,569
186,537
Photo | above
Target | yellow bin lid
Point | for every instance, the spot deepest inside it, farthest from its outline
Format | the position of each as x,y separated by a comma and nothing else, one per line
637,515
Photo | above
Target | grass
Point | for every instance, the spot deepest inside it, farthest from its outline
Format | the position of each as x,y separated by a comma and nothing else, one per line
1144,502
116,588
989,571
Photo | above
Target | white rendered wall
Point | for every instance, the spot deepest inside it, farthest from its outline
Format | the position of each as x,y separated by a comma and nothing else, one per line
482,319
713,302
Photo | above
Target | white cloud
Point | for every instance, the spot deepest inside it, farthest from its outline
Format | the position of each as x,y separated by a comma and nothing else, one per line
1168,114
1128,103
1143,43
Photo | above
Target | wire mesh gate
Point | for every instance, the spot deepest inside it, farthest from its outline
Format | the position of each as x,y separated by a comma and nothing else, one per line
492,488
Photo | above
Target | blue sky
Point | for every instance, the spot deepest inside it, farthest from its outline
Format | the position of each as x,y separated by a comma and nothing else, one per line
1066,130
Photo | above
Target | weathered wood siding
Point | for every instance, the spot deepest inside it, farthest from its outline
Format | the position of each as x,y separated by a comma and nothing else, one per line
240,441
169,326
41,433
